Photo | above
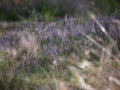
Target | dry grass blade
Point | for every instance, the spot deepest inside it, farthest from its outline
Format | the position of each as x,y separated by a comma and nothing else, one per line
80,78
115,80
93,41
102,28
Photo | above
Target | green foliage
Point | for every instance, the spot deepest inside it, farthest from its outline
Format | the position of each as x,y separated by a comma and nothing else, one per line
106,6
84,15
118,43
48,13
23,9
67,75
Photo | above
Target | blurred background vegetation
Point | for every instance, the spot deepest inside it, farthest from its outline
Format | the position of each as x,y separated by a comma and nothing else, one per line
14,10
61,54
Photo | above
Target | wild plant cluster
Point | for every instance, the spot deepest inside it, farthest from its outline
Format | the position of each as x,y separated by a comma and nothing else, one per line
61,55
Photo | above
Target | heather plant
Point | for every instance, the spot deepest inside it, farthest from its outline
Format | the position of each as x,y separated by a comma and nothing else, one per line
60,55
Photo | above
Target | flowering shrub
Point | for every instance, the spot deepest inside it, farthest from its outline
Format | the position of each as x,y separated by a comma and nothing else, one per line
52,53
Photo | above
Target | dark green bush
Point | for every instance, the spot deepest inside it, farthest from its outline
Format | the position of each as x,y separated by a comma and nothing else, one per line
49,9
106,6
